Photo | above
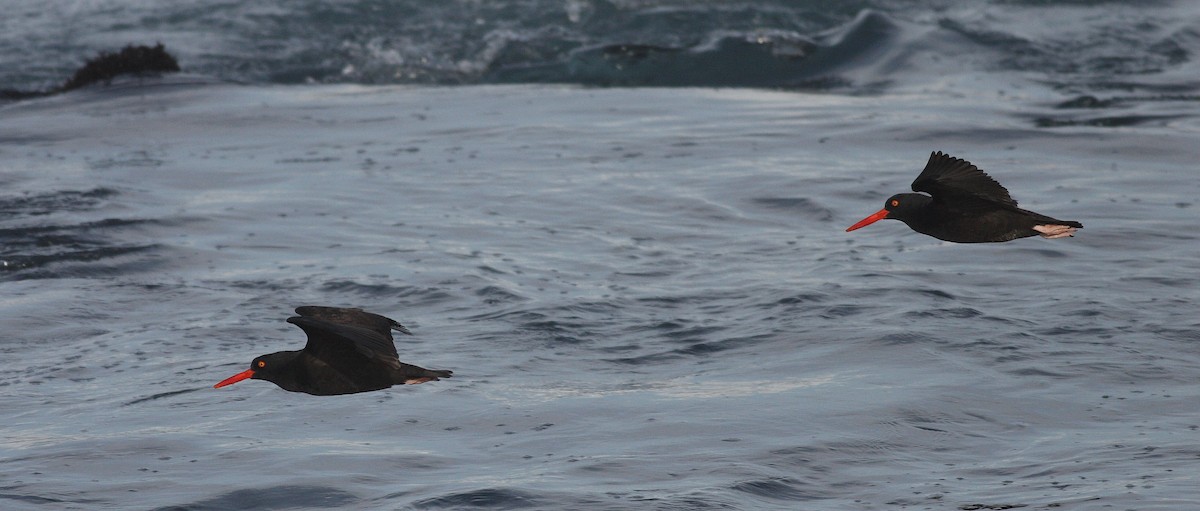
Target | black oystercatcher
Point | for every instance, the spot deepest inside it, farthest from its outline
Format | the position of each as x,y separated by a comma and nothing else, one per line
348,351
965,205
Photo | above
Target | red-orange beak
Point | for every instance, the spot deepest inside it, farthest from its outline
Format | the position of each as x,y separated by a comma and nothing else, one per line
883,213
235,378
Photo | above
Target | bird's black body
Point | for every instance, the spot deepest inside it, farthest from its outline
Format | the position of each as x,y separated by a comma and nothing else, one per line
965,205
348,351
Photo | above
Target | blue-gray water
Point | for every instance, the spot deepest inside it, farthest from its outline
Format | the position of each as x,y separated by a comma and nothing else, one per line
646,294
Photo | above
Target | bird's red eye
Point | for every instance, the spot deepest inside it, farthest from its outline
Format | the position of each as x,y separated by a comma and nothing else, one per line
895,203
261,364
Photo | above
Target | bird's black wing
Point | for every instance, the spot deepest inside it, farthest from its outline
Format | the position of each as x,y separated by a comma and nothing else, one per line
343,345
956,181
353,317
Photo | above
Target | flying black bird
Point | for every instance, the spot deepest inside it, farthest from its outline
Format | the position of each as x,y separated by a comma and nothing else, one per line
348,351
965,205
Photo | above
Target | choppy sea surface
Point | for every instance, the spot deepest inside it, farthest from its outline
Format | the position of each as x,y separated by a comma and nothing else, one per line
621,225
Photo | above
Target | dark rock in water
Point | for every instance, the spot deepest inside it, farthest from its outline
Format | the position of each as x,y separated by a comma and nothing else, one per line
130,60
106,66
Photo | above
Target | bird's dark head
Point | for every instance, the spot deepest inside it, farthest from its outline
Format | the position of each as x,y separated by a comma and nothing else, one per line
266,367
898,207
901,205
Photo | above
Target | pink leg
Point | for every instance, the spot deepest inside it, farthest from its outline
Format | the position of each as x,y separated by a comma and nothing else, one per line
1055,231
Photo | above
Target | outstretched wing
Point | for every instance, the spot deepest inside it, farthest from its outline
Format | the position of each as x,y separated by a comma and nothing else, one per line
956,181
345,346
353,317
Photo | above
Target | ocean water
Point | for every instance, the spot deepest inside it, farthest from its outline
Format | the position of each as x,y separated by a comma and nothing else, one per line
621,224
